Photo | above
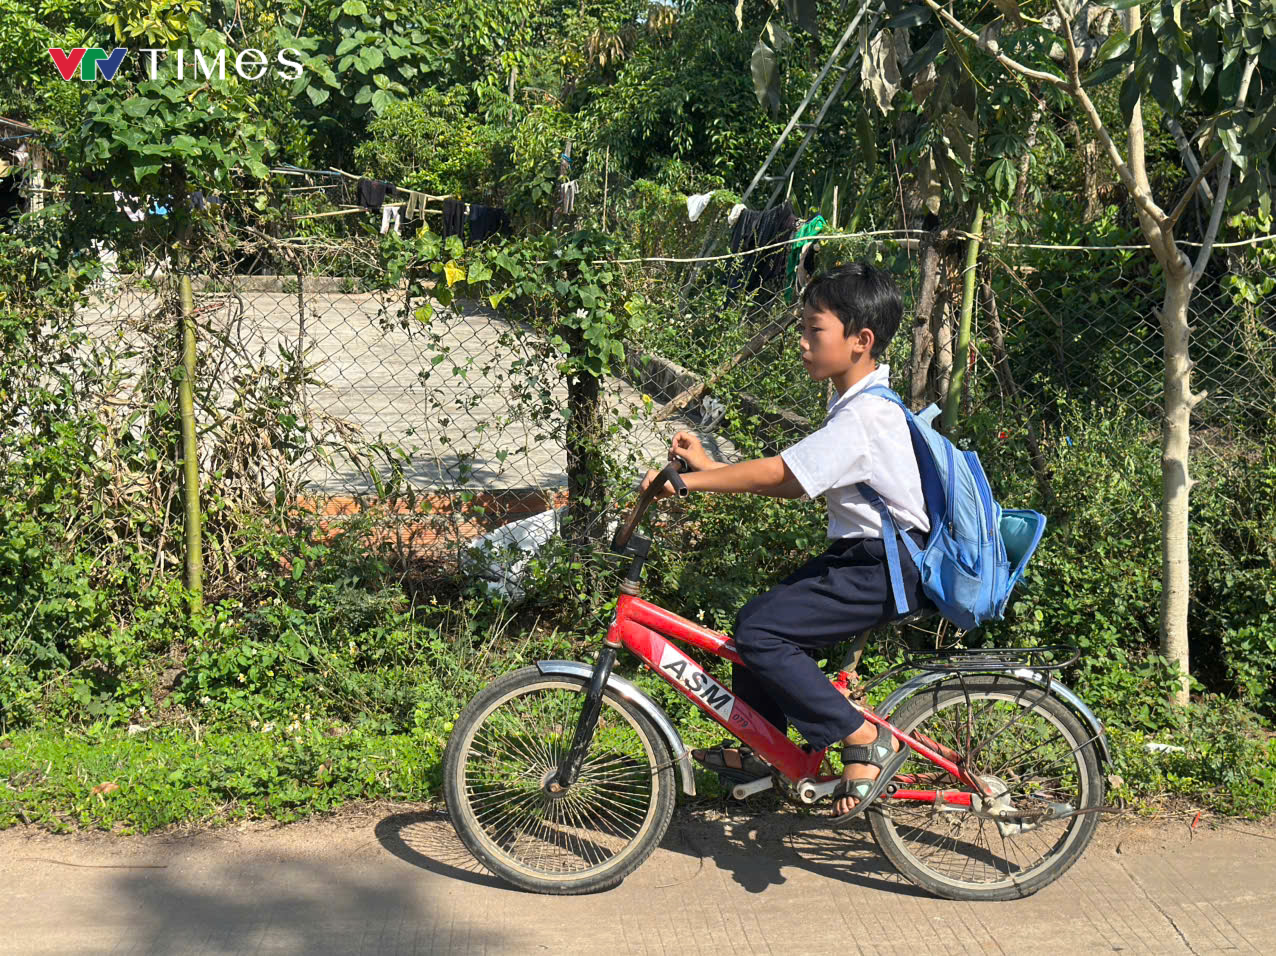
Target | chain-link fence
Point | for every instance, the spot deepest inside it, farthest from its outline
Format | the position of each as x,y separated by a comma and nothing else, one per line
324,385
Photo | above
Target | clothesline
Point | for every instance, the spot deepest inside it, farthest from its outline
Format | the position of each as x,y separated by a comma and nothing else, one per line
906,233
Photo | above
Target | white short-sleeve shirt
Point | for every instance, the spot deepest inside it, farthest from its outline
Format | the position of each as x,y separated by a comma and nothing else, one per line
861,440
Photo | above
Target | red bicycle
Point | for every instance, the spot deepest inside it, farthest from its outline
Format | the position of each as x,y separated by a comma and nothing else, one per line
560,778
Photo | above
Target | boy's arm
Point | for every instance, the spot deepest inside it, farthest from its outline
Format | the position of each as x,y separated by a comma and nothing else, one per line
761,476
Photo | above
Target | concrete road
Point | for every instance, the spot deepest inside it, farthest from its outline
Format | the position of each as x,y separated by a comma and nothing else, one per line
393,879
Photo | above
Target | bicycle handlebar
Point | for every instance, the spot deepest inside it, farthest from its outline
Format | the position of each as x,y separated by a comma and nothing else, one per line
671,473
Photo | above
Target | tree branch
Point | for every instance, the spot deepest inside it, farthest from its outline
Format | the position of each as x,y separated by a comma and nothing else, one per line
993,49
1189,157
1224,180
1198,181
1142,196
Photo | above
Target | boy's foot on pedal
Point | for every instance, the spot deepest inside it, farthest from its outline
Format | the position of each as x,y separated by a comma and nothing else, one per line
733,761
871,757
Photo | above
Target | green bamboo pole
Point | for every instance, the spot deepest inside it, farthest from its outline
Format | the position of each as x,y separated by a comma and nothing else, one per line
953,401
190,452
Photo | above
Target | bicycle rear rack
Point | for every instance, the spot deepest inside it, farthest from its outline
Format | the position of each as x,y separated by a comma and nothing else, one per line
1051,657
985,660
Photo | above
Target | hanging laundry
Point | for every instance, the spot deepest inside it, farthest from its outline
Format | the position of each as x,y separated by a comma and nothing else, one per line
802,257
200,201
390,218
756,230
453,218
568,191
696,205
130,207
734,214
372,193
415,208
487,221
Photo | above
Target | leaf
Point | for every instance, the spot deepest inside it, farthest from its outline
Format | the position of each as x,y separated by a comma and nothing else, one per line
1115,45
354,8
141,172
1120,4
372,57
913,16
380,100
777,37
364,94
926,55
879,69
453,273
346,45
766,77
317,94
1105,72
1130,93
479,272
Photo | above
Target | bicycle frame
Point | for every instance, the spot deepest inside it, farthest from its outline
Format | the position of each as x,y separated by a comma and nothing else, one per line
647,631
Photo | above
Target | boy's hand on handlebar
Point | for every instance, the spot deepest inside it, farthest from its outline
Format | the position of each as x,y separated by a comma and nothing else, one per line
666,489
687,445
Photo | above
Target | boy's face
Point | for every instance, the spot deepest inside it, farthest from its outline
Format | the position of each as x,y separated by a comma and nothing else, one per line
827,351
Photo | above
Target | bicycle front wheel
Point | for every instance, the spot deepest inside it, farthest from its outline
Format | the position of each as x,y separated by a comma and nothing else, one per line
505,751
1031,752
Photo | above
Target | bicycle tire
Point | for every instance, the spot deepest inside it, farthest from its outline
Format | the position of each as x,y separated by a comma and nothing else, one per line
889,821
476,823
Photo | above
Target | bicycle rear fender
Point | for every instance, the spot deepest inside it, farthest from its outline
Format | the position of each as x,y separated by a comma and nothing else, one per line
650,709
911,687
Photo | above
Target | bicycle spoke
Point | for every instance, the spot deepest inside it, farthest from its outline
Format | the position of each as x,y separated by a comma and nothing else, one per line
512,754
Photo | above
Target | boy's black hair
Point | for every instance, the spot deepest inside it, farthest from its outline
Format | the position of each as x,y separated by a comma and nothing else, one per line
863,297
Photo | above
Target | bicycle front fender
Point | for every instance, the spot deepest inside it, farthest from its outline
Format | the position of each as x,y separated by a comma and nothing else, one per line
1069,697
649,708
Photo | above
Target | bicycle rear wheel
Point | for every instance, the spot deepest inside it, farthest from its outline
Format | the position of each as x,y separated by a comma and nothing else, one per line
504,752
1032,751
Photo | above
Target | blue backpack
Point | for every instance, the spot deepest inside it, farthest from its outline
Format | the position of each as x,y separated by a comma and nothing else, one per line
976,551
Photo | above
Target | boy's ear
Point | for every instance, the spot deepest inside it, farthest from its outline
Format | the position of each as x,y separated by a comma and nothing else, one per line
864,340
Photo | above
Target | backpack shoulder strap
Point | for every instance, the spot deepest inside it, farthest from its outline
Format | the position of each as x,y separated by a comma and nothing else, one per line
881,391
890,536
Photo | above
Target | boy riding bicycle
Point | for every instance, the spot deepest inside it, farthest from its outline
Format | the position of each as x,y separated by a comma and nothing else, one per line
849,317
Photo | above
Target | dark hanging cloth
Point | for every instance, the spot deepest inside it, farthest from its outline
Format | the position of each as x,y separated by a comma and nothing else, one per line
372,193
753,230
487,221
453,218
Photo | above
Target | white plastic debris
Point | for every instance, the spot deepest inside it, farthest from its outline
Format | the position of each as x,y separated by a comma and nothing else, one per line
503,554
1155,748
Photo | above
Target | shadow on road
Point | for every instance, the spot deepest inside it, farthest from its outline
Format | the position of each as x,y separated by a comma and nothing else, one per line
754,848
426,839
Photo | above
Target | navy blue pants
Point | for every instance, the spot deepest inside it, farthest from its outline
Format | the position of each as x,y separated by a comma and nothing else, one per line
830,599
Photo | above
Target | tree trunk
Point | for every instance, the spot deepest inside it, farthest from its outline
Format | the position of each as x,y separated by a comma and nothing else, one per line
1176,483
1021,186
1088,150
190,451
1001,368
585,464
942,330
923,340
957,375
